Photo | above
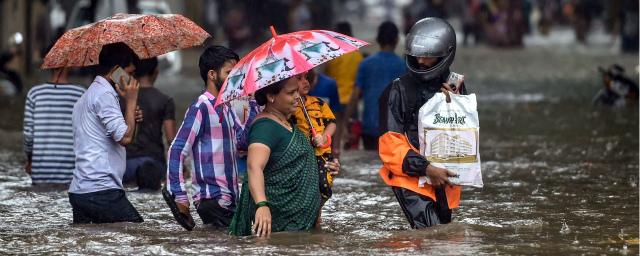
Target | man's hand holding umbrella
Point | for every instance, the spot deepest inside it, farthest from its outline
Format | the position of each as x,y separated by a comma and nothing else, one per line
148,36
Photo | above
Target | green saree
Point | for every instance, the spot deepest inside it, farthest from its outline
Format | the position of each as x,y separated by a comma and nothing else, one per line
291,187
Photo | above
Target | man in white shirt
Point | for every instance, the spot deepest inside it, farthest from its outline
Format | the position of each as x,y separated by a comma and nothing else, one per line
100,133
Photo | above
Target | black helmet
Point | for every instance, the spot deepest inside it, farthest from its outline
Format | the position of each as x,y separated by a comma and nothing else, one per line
430,37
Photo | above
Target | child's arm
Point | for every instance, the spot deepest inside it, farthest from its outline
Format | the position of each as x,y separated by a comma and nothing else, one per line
329,129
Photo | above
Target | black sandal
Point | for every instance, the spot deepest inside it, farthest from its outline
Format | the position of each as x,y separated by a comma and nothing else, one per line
184,219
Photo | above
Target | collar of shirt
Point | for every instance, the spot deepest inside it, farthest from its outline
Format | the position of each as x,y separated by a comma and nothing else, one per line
387,54
309,100
103,81
209,95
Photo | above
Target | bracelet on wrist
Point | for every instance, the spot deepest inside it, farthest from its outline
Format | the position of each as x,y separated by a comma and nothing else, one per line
261,204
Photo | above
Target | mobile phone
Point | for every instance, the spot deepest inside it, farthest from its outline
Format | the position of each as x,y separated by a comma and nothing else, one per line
455,80
117,74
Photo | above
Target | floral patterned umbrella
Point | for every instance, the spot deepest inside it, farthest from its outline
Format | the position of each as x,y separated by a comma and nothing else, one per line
147,35
284,56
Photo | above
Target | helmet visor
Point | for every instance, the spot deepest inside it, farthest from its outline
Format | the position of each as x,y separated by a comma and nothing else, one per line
424,64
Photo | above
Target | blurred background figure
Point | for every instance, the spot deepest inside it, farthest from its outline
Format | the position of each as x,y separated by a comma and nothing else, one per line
619,90
548,10
504,23
325,88
236,27
343,70
580,13
470,21
419,9
10,61
47,129
10,80
146,160
623,22
374,74
299,16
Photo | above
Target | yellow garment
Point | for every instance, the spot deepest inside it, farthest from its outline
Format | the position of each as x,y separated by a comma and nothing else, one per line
343,69
320,115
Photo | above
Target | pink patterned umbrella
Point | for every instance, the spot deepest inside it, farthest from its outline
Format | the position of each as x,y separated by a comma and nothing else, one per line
284,56
147,35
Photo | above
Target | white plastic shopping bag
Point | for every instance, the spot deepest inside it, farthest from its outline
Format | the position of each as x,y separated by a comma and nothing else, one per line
449,137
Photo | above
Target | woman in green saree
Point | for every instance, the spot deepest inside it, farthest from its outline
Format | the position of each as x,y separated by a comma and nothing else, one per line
281,192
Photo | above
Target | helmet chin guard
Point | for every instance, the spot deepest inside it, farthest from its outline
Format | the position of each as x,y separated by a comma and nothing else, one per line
434,38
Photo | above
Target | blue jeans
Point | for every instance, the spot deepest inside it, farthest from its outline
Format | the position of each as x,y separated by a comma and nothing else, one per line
146,171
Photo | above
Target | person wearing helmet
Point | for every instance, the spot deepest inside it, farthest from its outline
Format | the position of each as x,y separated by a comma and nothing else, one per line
430,49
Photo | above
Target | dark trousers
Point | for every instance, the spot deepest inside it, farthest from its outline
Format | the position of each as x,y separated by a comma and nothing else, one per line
213,214
421,211
106,206
370,142
146,171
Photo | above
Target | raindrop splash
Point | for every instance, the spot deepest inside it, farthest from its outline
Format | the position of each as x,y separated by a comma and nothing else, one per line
565,229
633,181
535,191
575,240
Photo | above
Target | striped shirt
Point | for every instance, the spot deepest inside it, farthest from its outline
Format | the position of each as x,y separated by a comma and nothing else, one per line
48,132
210,135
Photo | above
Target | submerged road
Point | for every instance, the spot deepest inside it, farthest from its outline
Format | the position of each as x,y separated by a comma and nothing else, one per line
561,178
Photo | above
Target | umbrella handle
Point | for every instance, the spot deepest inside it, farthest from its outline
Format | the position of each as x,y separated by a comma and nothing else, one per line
327,144
313,129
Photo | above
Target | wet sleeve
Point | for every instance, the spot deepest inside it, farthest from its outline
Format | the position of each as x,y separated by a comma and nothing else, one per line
327,114
169,112
242,129
110,114
395,150
382,109
180,147
260,133
27,129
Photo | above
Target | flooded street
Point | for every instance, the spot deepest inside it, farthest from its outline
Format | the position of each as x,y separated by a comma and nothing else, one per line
560,175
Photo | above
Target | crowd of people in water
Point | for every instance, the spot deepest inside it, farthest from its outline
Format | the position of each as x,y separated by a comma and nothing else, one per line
259,164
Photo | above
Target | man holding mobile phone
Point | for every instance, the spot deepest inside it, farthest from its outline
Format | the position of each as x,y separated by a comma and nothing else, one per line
100,133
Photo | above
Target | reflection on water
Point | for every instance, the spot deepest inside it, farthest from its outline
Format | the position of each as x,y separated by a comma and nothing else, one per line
561,178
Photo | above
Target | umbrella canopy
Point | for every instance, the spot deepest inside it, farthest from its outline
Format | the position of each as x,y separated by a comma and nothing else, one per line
284,56
147,35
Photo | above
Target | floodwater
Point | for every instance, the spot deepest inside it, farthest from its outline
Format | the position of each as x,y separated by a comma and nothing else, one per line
561,178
